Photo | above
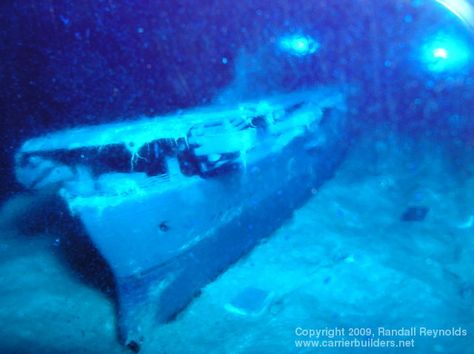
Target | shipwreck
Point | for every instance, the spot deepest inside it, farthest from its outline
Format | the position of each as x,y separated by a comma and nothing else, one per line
172,201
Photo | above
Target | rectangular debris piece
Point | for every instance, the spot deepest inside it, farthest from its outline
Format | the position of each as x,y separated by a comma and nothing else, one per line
250,302
418,213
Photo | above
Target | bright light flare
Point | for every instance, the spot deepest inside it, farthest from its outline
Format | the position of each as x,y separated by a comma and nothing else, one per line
446,53
298,45
462,9
440,53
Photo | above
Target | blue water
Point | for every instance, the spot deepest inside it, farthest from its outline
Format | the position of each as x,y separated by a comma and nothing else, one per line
387,242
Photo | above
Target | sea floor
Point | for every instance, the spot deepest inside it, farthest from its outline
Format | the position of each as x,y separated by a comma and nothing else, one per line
346,260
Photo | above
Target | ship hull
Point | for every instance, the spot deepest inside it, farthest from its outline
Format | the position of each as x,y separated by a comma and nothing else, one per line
171,203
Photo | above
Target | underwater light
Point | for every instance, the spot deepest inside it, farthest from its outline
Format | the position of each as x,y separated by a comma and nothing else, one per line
298,45
445,53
